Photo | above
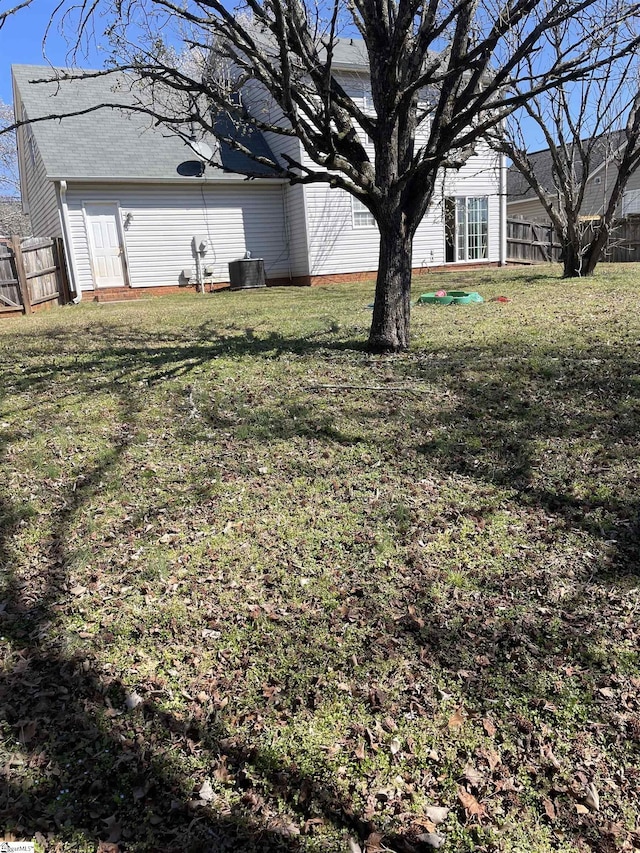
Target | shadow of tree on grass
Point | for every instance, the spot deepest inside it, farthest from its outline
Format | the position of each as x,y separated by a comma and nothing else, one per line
113,774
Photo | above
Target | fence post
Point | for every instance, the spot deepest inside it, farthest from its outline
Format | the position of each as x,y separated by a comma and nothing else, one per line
63,278
23,284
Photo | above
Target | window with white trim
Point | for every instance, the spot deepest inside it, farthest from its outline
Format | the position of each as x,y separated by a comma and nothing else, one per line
466,226
362,216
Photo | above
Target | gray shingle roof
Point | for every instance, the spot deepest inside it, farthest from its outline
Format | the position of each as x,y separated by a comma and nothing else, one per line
350,53
517,187
111,143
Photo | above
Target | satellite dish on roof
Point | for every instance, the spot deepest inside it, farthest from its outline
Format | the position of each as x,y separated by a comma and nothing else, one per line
201,150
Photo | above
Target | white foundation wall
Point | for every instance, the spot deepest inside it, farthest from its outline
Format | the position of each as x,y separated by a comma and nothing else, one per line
234,218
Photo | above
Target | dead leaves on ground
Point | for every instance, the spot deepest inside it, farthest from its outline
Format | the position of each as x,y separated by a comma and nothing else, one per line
168,707
456,720
473,809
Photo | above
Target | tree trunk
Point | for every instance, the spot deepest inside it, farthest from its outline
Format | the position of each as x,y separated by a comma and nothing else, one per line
392,305
595,249
572,259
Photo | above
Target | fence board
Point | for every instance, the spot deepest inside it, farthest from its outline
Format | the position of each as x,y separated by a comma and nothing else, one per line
40,269
531,242
32,272
624,243
63,282
23,286
10,300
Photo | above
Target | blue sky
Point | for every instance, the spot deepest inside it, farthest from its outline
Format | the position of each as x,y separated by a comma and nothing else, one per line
21,42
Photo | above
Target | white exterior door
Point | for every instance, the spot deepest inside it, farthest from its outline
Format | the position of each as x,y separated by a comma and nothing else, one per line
105,244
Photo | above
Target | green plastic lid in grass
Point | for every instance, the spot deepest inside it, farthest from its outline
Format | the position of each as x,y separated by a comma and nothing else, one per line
460,297
451,297
433,299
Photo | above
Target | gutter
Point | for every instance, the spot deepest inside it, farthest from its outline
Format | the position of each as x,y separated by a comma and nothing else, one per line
61,192
287,230
128,179
355,69
524,200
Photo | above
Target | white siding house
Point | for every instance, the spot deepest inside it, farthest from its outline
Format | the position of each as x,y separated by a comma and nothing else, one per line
38,193
130,202
231,218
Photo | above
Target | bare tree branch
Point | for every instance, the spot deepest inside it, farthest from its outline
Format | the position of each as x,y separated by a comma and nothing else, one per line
592,125
9,182
11,11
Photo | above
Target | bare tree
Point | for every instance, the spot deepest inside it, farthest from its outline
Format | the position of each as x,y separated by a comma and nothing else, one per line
442,73
12,220
590,125
9,184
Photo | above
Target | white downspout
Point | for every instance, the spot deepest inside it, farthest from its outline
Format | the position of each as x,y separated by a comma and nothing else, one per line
503,211
66,236
287,230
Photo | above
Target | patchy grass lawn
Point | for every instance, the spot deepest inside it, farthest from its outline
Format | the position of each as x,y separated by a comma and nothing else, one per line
263,591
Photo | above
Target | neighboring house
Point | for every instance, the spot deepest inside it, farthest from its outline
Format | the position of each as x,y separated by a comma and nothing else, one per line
523,203
128,199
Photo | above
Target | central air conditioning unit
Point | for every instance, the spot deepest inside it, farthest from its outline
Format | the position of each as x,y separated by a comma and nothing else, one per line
247,273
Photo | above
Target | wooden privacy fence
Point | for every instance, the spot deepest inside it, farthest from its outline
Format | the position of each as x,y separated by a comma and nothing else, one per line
623,244
535,243
32,274
531,242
